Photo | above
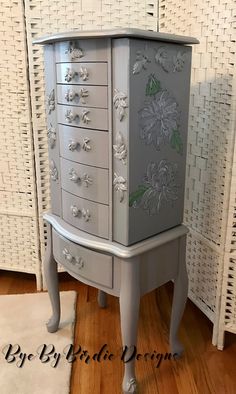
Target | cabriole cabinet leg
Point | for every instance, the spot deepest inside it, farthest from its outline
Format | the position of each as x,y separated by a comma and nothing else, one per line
179,299
51,278
129,313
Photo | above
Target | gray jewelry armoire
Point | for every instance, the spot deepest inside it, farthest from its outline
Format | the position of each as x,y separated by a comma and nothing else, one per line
117,118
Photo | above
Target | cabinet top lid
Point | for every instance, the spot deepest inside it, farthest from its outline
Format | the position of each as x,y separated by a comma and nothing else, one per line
115,33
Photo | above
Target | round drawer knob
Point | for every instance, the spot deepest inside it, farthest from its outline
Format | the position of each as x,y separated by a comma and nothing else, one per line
70,116
70,95
75,210
73,176
79,262
73,145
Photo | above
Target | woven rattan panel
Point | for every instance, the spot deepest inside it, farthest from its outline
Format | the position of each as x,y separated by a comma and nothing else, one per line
204,272
19,246
227,320
44,17
211,142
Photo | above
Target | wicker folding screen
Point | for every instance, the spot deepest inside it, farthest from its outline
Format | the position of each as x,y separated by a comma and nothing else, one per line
211,188
19,245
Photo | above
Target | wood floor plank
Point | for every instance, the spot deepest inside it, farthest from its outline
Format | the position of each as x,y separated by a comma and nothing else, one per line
202,370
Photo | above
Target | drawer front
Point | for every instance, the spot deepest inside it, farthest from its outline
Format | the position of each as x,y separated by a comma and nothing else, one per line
82,73
86,215
82,50
84,145
86,263
92,118
85,181
90,96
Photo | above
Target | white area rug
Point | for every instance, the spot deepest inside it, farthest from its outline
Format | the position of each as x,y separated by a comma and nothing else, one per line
22,322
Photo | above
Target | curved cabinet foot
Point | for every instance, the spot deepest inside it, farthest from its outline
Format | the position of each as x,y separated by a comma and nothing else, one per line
179,300
51,278
130,386
102,299
53,323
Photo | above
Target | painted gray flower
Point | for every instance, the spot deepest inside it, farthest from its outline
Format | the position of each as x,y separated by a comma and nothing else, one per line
159,186
158,119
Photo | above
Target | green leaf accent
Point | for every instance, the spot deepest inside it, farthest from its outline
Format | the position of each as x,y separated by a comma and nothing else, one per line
176,142
137,195
153,86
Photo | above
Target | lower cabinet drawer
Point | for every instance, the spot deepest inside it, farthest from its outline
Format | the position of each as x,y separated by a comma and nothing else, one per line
93,266
86,215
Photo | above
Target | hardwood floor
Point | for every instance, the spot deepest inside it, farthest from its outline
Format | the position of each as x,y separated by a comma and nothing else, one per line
203,369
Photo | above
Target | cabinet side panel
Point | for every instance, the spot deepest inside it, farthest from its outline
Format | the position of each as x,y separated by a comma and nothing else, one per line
52,129
159,101
120,90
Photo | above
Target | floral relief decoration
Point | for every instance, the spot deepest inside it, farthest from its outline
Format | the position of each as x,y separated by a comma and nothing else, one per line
119,101
52,136
178,61
53,170
51,101
168,63
159,118
75,53
159,186
141,62
120,185
120,150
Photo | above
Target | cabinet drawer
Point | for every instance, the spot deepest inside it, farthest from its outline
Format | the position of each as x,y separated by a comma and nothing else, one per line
84,145
82,50
92,118
85,181
82,95
82,73
84,262
86,215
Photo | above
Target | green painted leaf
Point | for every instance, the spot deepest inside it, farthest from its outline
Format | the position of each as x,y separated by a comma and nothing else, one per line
153,86
137,195
176,142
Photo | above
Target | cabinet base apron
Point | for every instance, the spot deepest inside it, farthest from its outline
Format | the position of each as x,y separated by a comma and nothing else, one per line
147,265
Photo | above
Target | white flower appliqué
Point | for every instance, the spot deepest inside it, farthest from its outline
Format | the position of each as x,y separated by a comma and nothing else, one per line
120,185
120,150
119,101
